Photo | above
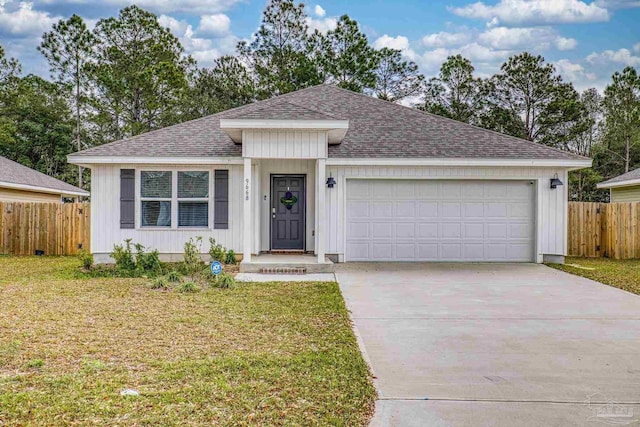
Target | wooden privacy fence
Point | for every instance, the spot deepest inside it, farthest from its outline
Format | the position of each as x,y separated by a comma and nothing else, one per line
54,228
609,230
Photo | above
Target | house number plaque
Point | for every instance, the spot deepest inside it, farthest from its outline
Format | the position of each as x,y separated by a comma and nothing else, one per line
246,189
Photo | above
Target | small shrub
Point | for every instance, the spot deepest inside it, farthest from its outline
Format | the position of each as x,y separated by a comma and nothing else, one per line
86,258
188,287
149,262
173,276
160,283
123,255
35,363
216,251
192,250
225,281
230,257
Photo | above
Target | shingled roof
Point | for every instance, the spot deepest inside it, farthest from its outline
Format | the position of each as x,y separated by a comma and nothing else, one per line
377,129
15,173
633,175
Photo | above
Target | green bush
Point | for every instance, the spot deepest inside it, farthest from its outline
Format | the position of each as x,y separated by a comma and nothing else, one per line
86,258
216,251
123,255
173,276
225,281
160,283
148,263
192,262
230,257
188,287
35,363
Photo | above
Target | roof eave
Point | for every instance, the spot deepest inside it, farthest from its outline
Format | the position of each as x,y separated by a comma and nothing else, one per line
337,129
38,189
626,183
570,164
87,161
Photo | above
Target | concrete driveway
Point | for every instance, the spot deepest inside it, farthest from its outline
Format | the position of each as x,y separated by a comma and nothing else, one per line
495,344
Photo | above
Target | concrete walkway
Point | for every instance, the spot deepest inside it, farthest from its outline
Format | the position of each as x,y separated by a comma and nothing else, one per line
495,344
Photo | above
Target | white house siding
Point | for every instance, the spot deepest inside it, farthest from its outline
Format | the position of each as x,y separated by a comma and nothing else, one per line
551,204
105,213
14,195
625,194
272,144
267,168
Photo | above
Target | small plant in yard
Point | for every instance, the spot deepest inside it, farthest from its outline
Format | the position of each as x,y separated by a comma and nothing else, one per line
224,281
35,364
123,255
188,287
230,257
86,258
160,283
147,262
216,250
173,276
192,263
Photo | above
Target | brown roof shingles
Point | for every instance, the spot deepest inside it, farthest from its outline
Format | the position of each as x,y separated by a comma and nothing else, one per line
15,173
377,129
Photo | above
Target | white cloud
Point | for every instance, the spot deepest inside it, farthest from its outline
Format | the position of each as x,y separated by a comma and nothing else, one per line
618,4
319,11
178,28
575,73
534,12
563,43
215,25
636,47
445,39
322,25
620,56
539,38
20,19
400,43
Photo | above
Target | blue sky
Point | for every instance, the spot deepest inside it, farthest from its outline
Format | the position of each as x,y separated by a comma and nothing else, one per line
586,40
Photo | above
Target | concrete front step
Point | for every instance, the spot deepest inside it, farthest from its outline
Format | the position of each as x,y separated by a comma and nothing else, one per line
286,264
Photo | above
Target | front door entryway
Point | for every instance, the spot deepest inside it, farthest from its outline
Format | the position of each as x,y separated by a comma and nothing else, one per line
287,212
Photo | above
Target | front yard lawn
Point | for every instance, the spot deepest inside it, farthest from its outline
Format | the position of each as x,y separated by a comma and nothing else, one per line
623,274
259,354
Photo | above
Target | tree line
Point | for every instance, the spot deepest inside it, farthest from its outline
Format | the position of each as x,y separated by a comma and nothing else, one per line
129,75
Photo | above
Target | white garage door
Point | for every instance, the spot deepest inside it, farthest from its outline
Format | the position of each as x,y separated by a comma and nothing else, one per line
432,220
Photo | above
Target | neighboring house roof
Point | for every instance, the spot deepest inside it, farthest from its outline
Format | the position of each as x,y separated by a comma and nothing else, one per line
15,175
624,180
377,129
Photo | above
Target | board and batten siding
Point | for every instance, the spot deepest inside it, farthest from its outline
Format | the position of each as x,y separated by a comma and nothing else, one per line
105,212
271,144
551,204
625,194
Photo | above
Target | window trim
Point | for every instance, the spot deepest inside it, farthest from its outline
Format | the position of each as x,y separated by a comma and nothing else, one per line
174,196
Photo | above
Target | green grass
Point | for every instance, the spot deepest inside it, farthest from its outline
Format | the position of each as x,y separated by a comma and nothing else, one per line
623,274
259,354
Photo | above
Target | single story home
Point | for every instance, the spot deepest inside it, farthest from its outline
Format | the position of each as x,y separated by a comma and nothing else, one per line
333,173
19,183
623,188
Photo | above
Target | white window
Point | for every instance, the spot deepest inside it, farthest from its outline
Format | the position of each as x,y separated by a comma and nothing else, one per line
193,199
155,198
158,200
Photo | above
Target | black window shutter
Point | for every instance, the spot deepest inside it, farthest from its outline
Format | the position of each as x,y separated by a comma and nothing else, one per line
221,200
127,198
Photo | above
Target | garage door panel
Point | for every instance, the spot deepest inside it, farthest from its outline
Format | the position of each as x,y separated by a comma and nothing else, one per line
431,220
427,230
382,230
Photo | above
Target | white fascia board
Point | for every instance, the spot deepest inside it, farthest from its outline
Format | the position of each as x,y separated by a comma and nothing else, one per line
87,161
283,124
569,164
37,189
628,183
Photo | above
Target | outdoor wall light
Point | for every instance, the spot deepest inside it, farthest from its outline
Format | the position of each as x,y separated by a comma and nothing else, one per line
331,182
555,181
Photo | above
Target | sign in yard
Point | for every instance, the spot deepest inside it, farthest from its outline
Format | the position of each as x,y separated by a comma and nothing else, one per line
216,267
